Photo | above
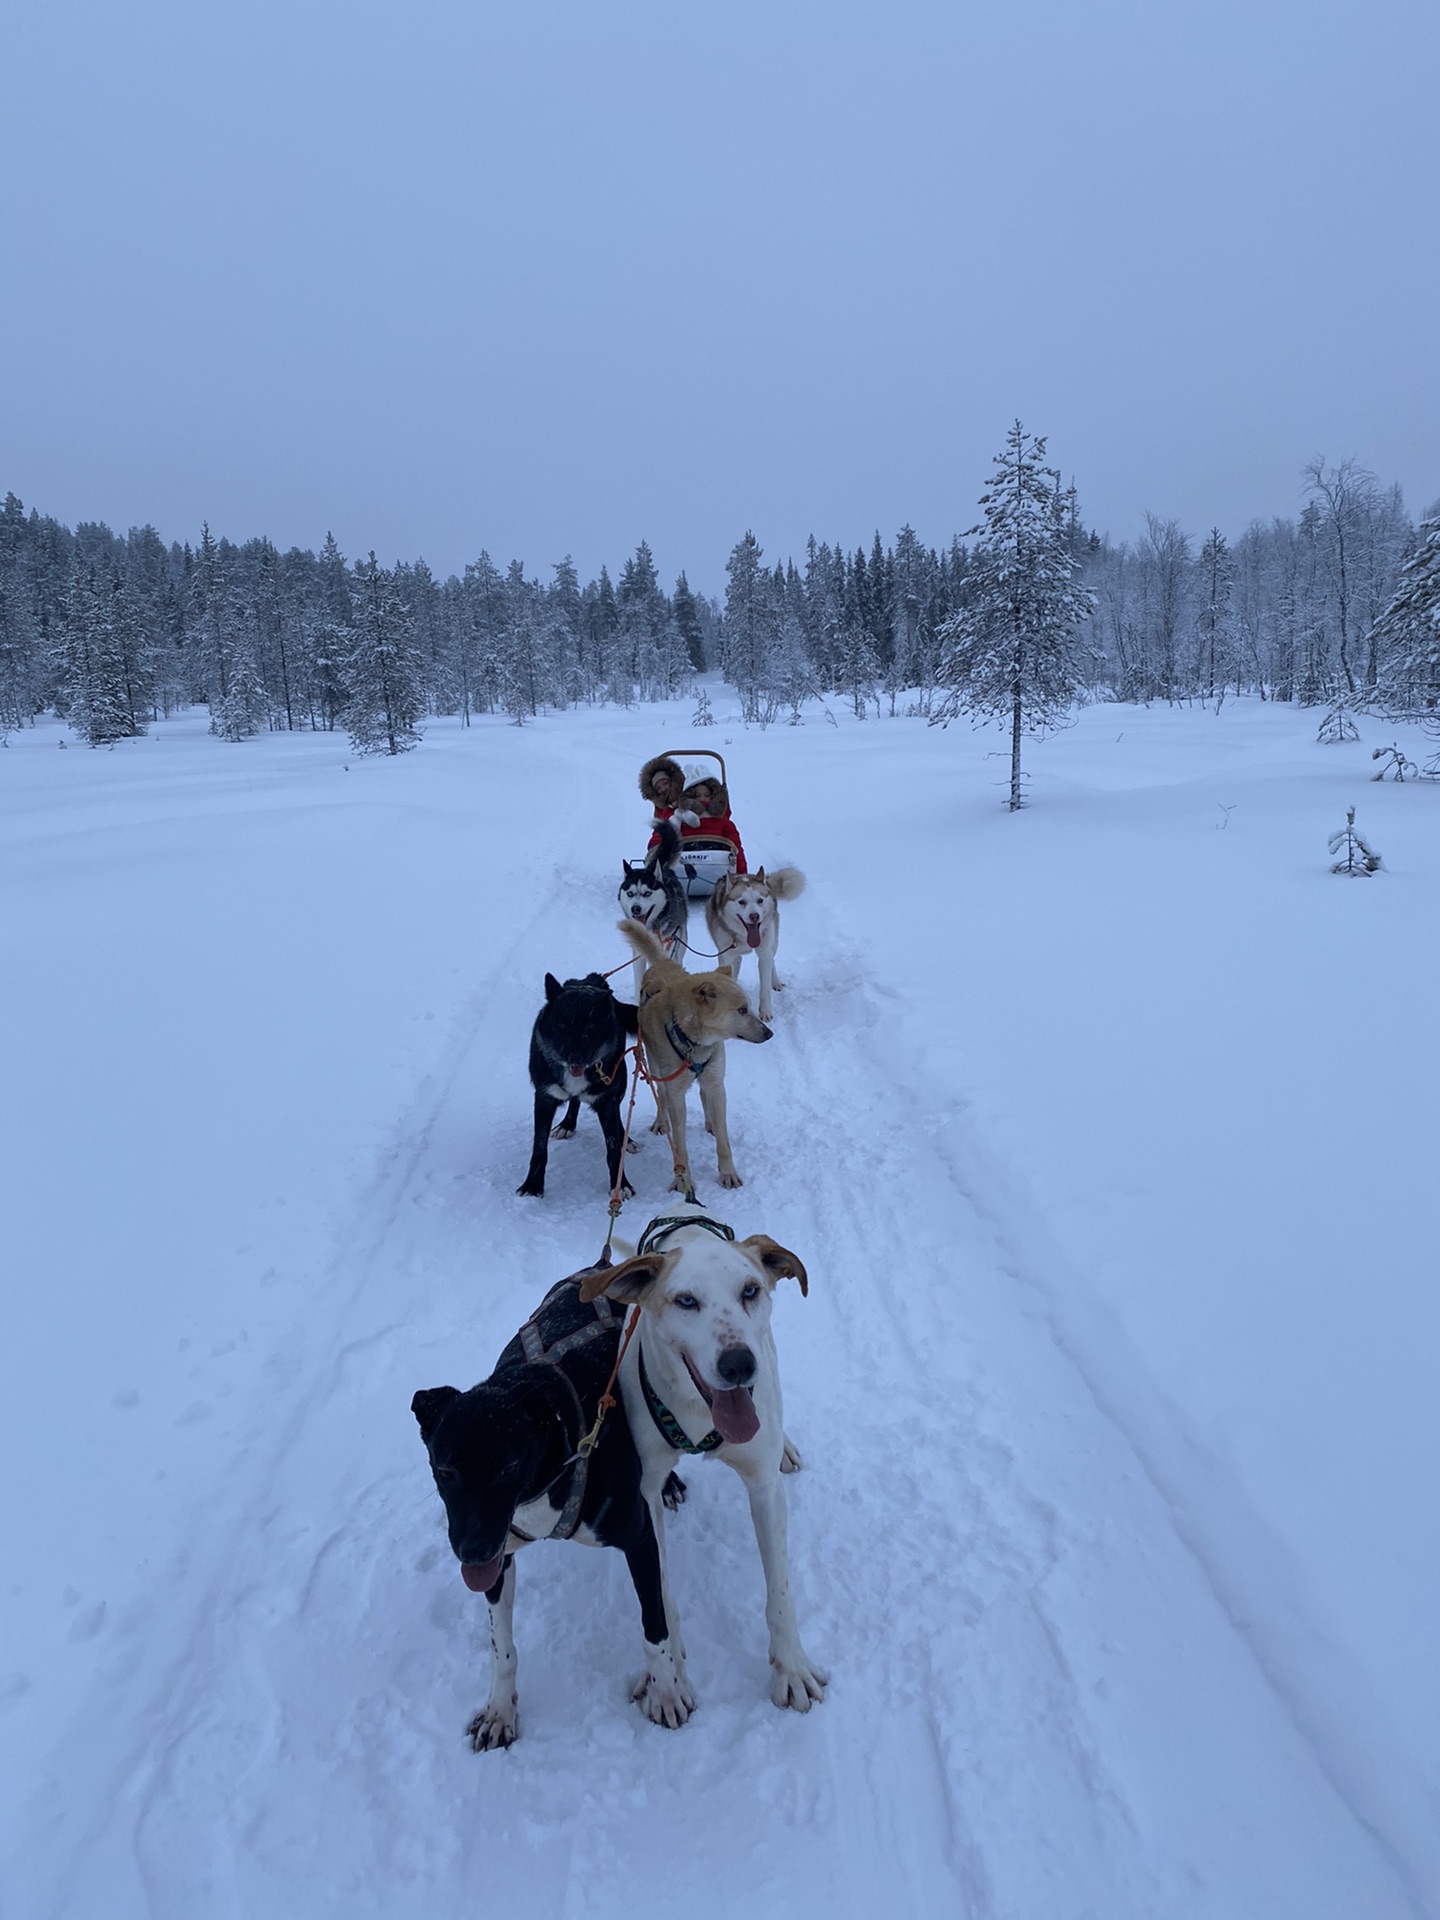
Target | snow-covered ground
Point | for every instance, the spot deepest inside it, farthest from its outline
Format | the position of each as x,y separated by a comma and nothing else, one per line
1107,1132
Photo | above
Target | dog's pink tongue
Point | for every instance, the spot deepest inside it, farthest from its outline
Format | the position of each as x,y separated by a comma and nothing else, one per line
480,1576
734,1415
752,932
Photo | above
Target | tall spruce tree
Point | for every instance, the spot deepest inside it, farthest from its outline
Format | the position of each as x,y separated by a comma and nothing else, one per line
386,696
687,622
1011,652
1406,637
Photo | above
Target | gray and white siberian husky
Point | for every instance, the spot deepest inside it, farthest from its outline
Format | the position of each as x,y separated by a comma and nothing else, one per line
652,894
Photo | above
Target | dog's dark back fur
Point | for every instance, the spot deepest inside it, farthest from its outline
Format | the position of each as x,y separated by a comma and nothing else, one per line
577,1054
500,1444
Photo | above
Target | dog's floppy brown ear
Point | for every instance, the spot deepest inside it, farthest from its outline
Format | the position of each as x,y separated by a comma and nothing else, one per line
629,1282
777,1261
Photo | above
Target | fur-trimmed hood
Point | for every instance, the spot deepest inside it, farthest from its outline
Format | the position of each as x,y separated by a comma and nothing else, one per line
662,763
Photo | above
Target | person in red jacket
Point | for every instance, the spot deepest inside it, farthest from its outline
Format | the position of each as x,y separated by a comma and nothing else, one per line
703,808
709,800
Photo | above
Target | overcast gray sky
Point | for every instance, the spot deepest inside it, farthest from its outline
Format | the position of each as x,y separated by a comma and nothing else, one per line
564,274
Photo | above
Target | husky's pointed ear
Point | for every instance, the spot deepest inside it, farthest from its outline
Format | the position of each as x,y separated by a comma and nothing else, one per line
631,1281
629,1016
553,988
428,1405
760,876
777,1261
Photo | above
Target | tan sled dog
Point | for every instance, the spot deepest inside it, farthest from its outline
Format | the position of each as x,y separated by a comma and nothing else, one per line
685,1020
743,915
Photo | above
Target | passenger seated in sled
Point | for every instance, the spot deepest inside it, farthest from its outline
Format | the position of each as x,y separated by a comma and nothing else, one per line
709,800
663,785
710,843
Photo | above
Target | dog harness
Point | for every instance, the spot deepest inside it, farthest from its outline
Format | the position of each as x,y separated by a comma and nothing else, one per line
670,1428
532,1340
684,1046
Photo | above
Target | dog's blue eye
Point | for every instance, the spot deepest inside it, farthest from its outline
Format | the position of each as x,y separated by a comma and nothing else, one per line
752,1292
688,1302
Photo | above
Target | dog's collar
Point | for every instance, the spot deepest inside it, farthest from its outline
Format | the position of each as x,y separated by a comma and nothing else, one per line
670,1428
664,1224
684,1046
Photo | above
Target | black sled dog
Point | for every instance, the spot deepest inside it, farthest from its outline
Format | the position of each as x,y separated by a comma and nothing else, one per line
577,1054
652,895
506,1462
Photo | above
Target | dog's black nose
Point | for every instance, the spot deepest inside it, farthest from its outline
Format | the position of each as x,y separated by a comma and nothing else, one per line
736,1366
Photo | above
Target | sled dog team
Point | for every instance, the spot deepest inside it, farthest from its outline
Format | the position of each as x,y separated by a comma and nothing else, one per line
675,1338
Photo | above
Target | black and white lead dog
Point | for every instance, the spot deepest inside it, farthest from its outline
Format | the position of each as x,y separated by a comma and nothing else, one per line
699,1378
652,894
577,1054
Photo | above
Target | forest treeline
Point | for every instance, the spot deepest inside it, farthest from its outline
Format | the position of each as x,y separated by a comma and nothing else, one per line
112,631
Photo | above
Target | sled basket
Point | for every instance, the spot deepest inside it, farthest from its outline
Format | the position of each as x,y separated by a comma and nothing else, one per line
705,859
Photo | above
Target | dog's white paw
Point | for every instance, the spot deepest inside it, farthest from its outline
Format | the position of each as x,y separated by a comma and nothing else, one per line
797,1684
790,1459
667,1703
562,1133
731,1179
494,1726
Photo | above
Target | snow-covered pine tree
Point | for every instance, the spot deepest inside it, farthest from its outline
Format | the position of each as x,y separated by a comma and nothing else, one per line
386,689
1214,627
242,709
1406,637
565,618
1356,858
516,666
749,623
1012,652
687,622
100,659
702,716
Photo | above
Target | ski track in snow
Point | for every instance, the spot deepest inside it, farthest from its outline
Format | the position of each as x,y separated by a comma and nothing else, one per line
976,1531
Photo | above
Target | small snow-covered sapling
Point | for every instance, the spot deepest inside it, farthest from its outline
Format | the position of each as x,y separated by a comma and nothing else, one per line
702,716
1337,726
1355,856
1394,764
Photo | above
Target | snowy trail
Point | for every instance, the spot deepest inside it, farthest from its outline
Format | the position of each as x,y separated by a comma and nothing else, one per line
1040,1704
923,1552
